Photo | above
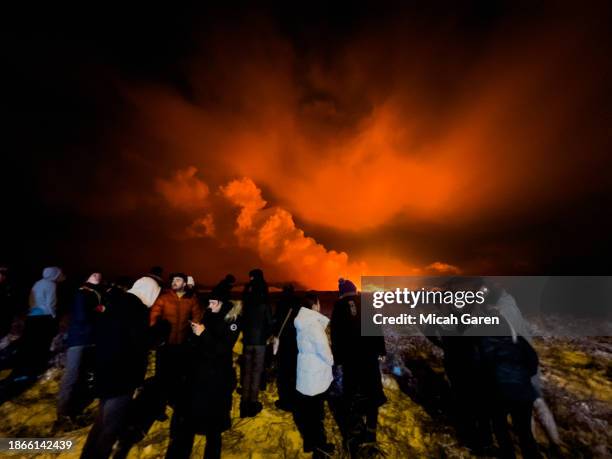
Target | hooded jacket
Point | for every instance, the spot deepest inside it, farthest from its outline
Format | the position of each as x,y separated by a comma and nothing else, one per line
122,339
43,296
315,360
146,289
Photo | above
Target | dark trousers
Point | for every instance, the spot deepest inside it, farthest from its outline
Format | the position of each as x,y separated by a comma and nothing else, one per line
520,413
74,393
181,441
253,367
34,350
171,364
308,415
109,422
285,381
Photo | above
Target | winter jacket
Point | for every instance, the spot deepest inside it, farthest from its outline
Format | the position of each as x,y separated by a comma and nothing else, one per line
80,330
43,296
509,362
315,359
177,311
357,354
121,338
257,315
206,397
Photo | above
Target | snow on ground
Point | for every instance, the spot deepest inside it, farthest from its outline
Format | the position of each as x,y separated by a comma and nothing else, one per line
577,384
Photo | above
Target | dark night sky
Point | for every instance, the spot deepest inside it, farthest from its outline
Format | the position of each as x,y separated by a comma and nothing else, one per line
476,136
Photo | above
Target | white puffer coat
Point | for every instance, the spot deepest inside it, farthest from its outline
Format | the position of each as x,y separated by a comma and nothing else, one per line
315,359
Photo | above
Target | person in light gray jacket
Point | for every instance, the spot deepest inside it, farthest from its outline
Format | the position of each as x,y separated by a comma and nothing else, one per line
314,376
40,327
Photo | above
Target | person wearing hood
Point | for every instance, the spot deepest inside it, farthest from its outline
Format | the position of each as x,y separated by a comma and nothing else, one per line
40,327
205,404
314,376
257,328
357,359
121,340
285,347
79,355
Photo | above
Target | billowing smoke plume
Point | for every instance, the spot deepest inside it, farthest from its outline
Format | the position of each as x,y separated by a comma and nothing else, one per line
270,231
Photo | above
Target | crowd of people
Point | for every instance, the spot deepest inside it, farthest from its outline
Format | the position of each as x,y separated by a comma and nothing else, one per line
113,328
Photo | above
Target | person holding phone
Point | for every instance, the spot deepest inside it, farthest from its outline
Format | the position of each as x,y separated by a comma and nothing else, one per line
205,400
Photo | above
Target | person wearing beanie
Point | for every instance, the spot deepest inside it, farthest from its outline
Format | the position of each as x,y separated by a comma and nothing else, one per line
314,376
357,361
224,288
346,288
257,328
72,397
205,401
172,314
121,340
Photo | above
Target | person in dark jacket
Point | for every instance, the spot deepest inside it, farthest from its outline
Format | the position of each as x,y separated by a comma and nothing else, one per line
7,303
286,345
206,397
79,355
510,362
358,357
257,328
121,339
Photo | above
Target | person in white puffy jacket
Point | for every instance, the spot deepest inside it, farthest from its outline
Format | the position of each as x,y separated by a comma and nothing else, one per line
314,376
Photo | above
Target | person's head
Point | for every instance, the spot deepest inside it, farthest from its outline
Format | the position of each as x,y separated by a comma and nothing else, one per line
178,282
230,279
53,273
311,301
95,279
190,283
214,304
157,271
346,288
288,289
256,275
146,289
3,274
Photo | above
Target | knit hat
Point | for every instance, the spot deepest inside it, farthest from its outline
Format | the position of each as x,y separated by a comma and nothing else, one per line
346,288
181,275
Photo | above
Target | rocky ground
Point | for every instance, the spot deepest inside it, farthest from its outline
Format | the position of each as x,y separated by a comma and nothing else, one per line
414,422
